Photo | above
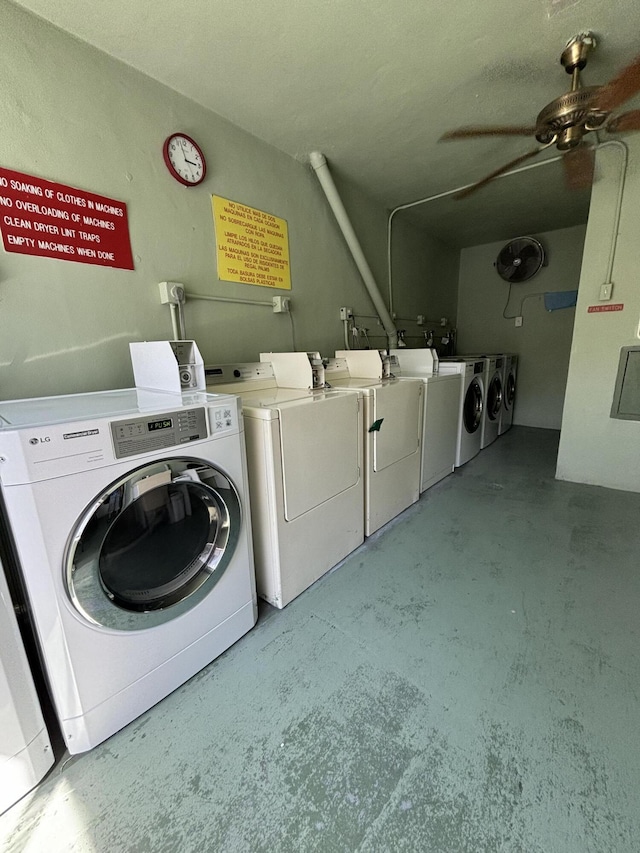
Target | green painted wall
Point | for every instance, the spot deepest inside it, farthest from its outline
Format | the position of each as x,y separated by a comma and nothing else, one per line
595,448
74,115
422,263
543,342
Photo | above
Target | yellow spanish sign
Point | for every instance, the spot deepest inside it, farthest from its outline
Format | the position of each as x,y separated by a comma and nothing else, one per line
251,246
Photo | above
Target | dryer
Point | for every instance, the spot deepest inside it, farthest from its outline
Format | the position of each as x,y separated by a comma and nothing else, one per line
129,515
440,411
471,406
304,450
25,749
509,395
392,432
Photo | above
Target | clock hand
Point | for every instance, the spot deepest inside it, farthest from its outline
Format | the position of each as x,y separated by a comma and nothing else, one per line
184,157
190,162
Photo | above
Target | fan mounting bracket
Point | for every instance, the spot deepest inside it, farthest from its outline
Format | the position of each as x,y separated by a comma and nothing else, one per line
577,51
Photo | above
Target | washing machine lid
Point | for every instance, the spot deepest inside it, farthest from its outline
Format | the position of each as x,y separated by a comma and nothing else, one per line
266,403
396,410
39,411
320,447
428,378
355,383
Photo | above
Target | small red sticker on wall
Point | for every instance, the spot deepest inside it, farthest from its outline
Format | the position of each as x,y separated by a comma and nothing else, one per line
604,309
40,217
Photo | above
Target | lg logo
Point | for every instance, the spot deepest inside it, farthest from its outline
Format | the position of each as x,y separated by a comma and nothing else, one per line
42,440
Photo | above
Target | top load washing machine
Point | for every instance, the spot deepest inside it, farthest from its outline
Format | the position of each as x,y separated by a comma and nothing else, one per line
509,394
129,516
25,750
392,432
440,413
304,450
471,408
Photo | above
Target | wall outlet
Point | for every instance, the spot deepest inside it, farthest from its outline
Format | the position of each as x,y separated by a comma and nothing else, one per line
518,321
281,304
420,320
605,291
345,313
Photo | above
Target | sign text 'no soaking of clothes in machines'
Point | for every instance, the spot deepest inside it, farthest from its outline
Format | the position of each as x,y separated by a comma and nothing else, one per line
39,217
251,246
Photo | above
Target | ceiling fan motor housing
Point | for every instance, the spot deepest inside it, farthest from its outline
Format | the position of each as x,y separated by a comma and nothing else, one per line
569,117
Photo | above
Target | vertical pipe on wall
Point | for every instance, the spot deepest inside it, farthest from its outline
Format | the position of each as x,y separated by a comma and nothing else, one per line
177,320
320,167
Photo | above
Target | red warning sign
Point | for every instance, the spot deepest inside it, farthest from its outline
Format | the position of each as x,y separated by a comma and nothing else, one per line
602,309
39,217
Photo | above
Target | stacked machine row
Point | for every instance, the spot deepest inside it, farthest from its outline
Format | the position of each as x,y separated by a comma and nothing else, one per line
137,522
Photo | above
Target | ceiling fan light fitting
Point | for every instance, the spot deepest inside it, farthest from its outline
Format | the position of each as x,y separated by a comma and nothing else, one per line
570,138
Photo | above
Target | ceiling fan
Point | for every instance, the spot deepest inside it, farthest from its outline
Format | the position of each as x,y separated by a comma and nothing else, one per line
567,119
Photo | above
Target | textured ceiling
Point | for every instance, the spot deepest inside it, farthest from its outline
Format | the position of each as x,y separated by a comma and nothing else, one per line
373,84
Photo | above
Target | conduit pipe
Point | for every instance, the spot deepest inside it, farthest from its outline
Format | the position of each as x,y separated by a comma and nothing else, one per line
206,298
320,167
608,143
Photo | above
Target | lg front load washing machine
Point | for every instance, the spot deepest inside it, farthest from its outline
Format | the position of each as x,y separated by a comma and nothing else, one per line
471,406
129,515
509,395
493,378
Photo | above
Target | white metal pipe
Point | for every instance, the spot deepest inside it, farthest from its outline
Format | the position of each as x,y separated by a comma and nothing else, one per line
320,167
537,164
268,304
177,321
347,344
439,196
616,220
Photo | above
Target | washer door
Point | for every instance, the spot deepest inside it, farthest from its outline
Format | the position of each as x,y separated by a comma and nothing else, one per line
153,544
472,409
494,398
510,395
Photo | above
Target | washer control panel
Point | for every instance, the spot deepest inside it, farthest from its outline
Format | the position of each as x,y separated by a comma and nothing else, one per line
158,431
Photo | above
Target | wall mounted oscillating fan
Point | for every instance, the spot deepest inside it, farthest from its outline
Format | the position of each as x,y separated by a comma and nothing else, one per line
520,259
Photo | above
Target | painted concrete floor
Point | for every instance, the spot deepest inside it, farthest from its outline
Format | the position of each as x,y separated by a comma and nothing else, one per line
468,681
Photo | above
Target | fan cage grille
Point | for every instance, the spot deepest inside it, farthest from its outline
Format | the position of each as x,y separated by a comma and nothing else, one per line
520,259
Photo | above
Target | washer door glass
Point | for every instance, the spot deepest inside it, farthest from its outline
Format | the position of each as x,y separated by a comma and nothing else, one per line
472,410
153,544
511,390
494,398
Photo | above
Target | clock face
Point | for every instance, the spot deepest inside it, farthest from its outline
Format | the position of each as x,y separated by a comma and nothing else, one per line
184,159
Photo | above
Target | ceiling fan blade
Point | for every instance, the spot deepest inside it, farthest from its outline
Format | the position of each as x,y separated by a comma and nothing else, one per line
498,130
621,88
579,165
625,121
474,187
